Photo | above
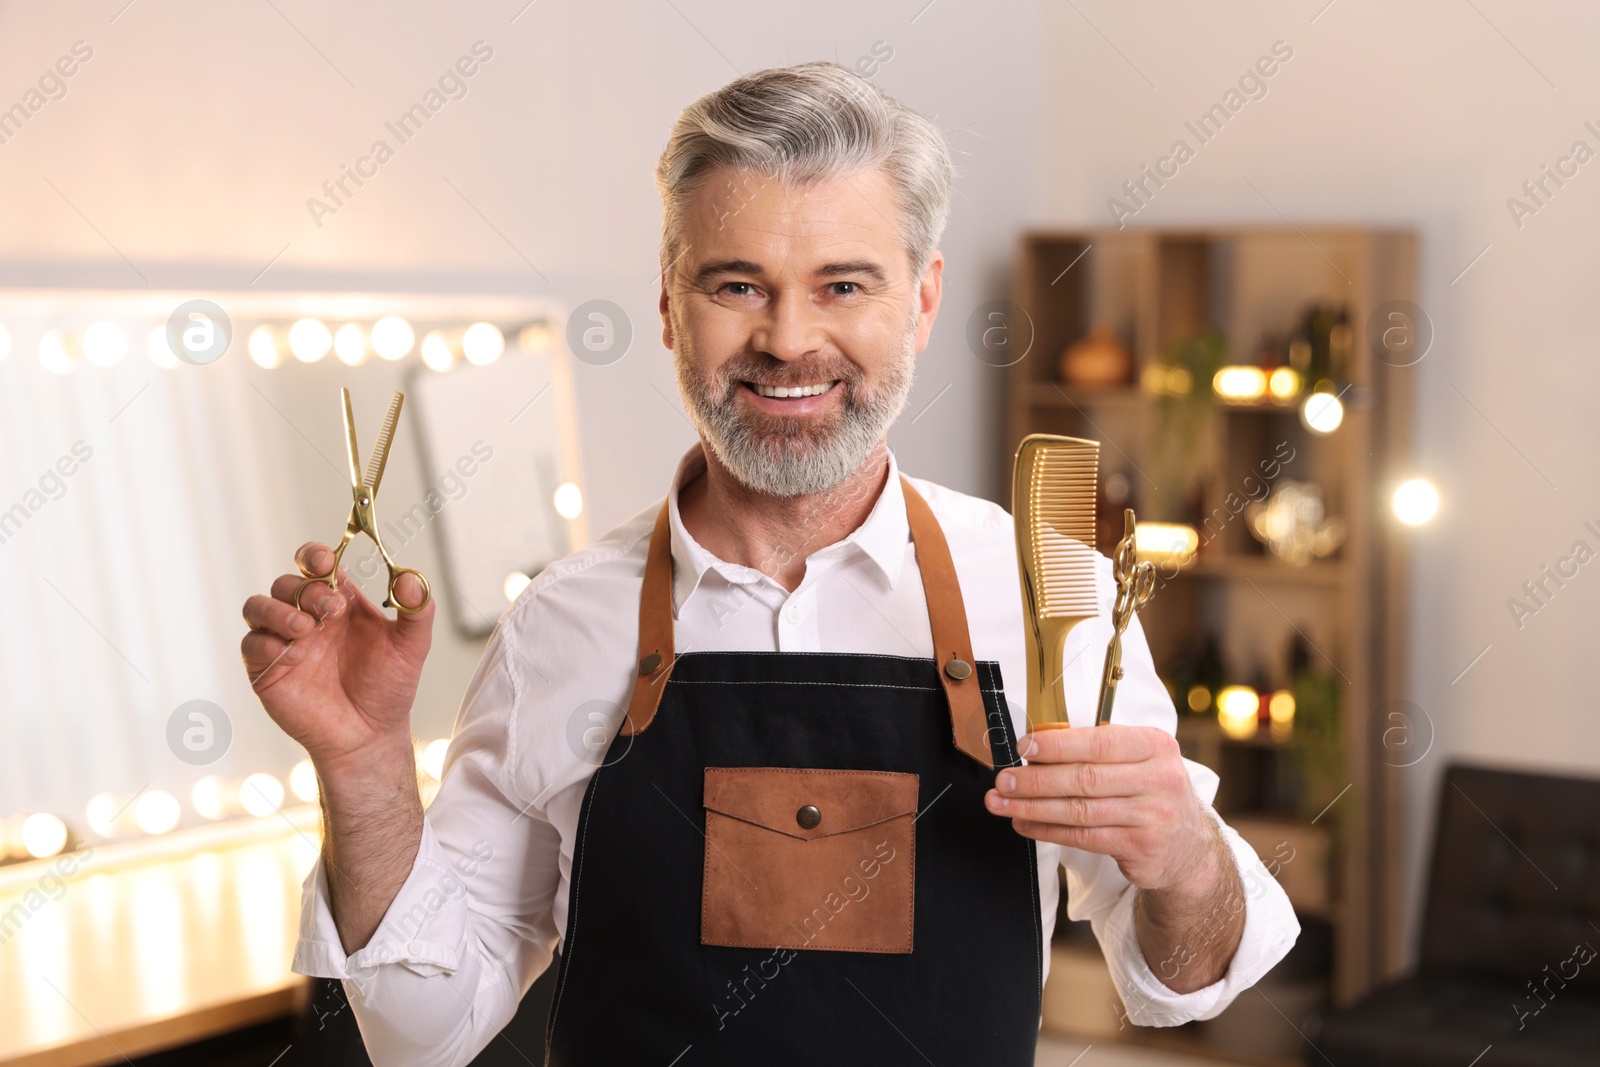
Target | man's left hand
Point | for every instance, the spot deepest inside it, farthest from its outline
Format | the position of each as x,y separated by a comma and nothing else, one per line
1117,790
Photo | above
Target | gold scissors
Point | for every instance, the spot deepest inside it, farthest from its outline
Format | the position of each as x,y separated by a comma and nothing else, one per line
1136,581
362,518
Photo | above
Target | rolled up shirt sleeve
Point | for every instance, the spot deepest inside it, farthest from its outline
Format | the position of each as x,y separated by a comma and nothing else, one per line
470,928
1098,891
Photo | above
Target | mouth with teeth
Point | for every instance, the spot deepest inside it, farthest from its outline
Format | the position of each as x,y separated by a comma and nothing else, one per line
789,392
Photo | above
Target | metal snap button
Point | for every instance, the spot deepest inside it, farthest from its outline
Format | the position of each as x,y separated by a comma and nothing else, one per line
650,664
808,816
958,669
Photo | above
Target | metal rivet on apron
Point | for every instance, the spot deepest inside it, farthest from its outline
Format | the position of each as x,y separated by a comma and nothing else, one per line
650,664
958,669
808,816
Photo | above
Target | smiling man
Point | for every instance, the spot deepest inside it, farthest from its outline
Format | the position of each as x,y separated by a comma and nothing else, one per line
749,760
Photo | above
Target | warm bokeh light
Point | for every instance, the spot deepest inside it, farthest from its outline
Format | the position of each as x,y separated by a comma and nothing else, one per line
309,340
159,351
104,344
392,338
568,500
535,338
261,794
1416,501
1165,543
303,782
156,811
1237,709
1283,383
53,354
515,583
436,352
209,797
350,344
43,835
482,344
1240,383
1199,698
264,350
1322,413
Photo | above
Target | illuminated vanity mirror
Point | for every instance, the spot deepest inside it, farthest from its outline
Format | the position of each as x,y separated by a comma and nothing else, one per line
161,458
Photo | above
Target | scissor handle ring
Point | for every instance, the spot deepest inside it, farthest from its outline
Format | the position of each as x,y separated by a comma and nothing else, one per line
325,579
394,601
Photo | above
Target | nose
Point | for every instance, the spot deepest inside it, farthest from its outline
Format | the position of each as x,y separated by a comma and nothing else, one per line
790,328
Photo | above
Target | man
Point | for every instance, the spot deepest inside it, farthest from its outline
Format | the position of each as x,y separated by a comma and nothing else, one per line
749,758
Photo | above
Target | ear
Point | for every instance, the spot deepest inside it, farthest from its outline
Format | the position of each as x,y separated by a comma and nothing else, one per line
929,292
666,315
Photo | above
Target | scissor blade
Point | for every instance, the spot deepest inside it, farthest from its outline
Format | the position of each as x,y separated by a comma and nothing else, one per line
380,451
350,439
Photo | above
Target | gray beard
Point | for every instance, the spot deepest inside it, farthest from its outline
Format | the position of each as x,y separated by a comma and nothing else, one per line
782,456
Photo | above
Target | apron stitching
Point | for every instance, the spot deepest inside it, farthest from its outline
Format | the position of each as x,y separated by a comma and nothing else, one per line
572,915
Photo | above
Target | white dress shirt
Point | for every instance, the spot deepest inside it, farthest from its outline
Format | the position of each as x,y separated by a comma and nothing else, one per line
486,900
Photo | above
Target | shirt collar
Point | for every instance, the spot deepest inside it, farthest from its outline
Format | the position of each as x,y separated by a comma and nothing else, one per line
882,535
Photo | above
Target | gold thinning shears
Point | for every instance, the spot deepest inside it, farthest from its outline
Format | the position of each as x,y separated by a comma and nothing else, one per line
362,518
1136,581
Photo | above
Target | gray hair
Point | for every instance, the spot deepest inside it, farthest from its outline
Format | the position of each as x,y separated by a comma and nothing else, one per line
803,123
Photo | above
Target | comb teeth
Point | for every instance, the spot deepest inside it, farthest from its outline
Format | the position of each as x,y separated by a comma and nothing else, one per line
1060,495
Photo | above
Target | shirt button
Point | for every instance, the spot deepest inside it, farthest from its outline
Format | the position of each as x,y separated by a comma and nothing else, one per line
415,947
792,613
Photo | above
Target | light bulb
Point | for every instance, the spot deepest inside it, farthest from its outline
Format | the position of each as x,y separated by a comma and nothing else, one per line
53,353
101,814
264,351
1322,413
534,338
515,583
104,344
156,811
1283,383
482,344
160,352
568,500
209,797
303,782
392,337
1240,383
1237,709
433,758
350,345
309,340
1415,501
436,352
43,835
261,794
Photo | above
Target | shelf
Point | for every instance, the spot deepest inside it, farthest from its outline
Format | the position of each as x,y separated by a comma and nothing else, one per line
1268,569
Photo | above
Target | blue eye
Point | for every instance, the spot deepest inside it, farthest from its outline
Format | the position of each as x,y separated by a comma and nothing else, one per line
747,285
857,288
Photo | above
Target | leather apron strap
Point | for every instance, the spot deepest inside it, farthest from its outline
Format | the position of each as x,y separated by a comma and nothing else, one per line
947,617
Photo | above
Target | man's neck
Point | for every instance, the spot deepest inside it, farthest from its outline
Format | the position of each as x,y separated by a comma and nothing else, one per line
775,534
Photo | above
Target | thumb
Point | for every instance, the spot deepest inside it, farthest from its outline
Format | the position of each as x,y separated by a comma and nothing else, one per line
413,630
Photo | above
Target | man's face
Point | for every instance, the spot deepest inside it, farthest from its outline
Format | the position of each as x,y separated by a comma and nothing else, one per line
806,291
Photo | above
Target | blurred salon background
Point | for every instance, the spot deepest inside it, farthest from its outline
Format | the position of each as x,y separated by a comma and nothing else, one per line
1317,274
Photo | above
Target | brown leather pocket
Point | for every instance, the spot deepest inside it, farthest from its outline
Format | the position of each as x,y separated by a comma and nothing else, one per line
809,858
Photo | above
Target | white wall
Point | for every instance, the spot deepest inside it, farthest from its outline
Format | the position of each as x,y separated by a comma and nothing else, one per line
1427,116
190,142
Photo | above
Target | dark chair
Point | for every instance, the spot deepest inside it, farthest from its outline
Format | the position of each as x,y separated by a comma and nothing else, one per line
1510,936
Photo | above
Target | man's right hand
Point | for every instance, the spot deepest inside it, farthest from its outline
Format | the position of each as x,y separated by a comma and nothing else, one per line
338,675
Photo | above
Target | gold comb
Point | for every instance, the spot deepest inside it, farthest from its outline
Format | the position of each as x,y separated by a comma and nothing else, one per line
1053,491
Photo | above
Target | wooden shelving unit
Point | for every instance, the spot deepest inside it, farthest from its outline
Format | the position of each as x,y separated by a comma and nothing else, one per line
1155,289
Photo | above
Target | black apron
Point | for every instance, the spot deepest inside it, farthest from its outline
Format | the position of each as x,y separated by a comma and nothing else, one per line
794,865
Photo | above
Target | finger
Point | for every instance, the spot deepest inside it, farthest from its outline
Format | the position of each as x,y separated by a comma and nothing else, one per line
1112,743
1106,842
1068,811
313,560
412,631
262,652
1075,780
318,600
274,616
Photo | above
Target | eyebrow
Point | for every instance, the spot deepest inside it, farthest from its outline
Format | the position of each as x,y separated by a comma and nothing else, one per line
865,267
